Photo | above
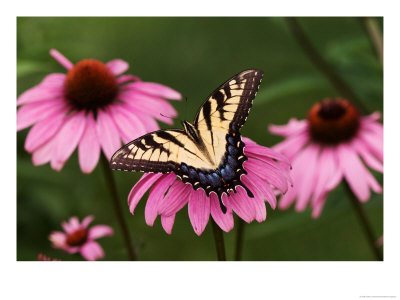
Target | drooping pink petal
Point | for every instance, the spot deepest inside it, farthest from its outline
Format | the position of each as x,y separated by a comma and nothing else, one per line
29,114
118,66
99,231
354,172
42,131
318,206
367,156
257,201
373,183
167,223
242,205
107,133
292,128
89,146
61,59
156,89
140,188
263,187
150,105
176,198
130,127
199,210
373,143
326,169
86,221
92,251
54,81
270,174
68,138
44,153
157,192
309,179
224,221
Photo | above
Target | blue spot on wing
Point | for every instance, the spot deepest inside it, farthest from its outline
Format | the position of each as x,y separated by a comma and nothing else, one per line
227,173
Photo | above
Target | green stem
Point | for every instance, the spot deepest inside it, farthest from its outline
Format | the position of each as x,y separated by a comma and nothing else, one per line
239,239
366,225
322,65
117,208
219,241
373,31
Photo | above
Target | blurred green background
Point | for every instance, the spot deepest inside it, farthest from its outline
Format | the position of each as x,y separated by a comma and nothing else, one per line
194,56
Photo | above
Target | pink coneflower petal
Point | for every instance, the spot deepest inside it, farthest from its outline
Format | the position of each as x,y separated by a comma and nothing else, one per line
224,221
176,198
39,94
292,145
149,122
108,133
157,192
92,251
30,114
167,223
67,138
140,188
58,238
309,179
126,78
151,105
327,165
129,125
199,210
257,201
44,153
99,231
265,189
354,172
254,149
156,89
61,59
368,158
89,146
270,174
42,131
118,66
293,127
242,205
86,221
374,145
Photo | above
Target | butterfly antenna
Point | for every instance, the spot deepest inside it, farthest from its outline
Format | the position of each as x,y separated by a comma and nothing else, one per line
185,112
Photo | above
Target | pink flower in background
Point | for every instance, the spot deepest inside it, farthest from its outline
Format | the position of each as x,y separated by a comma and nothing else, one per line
43,257
334,143
92,107
79,238
266,170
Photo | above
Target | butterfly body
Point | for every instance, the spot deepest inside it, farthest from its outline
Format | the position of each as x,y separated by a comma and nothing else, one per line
208,153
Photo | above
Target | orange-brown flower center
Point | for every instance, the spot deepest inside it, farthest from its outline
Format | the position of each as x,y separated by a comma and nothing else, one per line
77,238
333,121
90,85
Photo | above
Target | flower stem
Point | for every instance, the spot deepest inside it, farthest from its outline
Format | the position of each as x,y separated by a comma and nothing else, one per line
362,215
322,65
117,208
239,239
219,241
373,31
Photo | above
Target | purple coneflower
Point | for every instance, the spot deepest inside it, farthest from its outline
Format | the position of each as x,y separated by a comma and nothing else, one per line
267,174
92,107
334,143
78,237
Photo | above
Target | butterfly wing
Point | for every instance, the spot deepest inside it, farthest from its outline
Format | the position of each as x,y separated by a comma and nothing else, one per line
161,151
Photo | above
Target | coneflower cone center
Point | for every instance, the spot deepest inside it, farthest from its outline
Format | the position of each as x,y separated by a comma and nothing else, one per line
332,121
90,85
77,237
